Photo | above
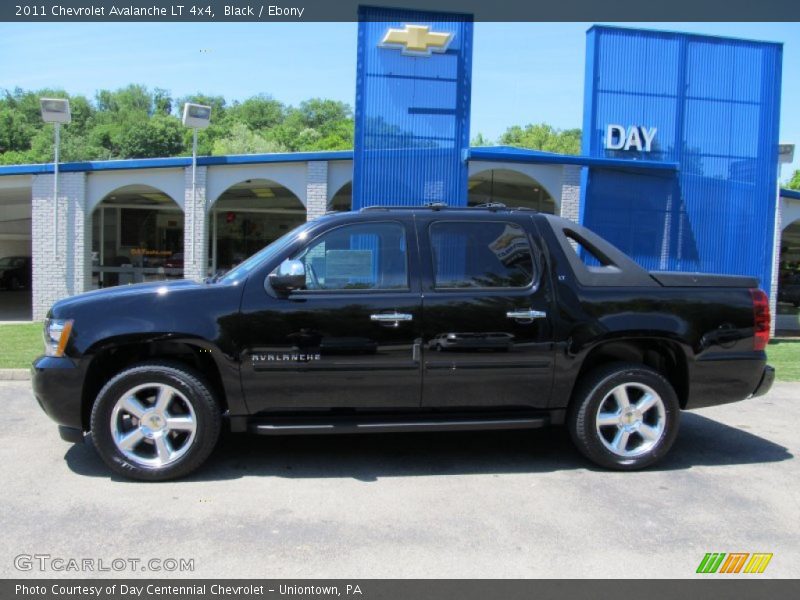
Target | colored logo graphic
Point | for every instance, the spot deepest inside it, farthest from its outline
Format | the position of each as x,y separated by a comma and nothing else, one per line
734,562
416,40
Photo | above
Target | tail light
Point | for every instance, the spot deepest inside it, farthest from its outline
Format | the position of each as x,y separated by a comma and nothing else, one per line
760,318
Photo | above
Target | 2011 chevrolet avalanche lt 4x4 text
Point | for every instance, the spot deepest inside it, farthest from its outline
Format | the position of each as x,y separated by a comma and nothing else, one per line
404,319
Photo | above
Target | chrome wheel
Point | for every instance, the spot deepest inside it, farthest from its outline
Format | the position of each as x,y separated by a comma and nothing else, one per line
153,425
631,420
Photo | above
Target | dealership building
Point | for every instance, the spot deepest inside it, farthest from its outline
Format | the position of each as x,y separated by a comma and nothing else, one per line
679,168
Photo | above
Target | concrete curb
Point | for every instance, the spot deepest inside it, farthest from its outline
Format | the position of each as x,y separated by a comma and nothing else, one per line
15,375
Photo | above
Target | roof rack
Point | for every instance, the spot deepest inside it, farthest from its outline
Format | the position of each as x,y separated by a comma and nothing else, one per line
493,206
430,205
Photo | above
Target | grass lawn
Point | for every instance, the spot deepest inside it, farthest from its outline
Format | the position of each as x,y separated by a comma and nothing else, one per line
21,343
784,355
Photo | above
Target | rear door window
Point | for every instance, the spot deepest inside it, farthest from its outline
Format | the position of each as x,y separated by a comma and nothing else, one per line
480,254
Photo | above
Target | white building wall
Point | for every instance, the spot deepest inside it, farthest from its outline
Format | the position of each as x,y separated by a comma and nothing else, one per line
772,290
60,246
571,192
316,189
292,176
101,183
548,176
195,232
340,172
788,212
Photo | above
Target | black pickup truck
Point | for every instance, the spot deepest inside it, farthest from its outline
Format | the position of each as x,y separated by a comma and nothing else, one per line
404,319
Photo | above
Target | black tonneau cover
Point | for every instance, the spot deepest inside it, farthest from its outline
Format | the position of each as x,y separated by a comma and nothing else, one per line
675,279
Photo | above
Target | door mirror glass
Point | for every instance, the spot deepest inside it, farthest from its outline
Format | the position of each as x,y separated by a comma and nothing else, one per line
288,277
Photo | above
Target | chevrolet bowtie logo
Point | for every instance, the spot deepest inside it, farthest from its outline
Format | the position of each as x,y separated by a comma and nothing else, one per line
416,40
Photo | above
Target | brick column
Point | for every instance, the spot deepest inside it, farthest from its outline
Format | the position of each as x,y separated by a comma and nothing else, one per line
195,226
571,192
772,290
316,189
61,256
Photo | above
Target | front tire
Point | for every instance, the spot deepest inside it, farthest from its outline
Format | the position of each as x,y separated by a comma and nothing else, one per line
155,421
624,416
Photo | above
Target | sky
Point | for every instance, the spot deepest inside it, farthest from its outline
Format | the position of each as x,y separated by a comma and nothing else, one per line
522,72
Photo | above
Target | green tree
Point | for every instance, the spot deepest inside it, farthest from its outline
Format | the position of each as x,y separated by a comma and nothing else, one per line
318,113
75,146
162,102
543,137
15,157
135,122
480,140
242,140
794,182
336,136
15,130
131,99
258,113
160,135
316,124
27,102
82,113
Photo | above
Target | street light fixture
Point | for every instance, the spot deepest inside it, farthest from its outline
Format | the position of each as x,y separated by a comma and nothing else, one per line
785,153
196,116
56,111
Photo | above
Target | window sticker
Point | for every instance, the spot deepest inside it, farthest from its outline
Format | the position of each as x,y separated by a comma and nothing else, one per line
349,264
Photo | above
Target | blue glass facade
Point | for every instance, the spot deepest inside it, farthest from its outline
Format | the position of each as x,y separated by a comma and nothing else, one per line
714,104
412,108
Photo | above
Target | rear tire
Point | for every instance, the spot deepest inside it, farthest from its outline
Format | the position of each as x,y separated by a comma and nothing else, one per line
624,416
155,421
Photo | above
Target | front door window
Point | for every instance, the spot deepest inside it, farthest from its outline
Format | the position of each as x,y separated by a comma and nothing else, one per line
370,256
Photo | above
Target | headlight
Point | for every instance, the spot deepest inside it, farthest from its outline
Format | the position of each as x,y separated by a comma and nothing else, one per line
56,335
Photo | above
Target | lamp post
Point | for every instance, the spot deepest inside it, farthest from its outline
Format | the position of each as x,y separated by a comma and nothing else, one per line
56,111
196,116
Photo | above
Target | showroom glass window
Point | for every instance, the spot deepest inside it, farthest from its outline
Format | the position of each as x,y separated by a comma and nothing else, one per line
368,256
480,255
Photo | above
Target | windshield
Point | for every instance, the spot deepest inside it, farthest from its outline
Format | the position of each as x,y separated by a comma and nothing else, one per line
265,254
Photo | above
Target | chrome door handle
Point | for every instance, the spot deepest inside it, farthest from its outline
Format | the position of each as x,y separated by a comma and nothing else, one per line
527,315
392,317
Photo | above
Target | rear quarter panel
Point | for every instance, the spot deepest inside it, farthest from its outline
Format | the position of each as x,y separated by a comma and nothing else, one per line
712,327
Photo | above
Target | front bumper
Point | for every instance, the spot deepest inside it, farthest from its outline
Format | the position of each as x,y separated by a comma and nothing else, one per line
767,379
57,385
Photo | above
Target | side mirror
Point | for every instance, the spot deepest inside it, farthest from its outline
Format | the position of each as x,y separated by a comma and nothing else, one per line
288,277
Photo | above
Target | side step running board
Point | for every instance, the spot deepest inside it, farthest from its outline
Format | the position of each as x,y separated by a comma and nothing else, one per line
372,425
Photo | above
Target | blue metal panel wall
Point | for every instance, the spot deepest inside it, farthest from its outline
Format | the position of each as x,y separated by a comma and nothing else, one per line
412,113
715,102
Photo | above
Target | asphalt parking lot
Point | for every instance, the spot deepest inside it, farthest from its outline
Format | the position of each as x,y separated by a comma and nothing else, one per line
494,504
